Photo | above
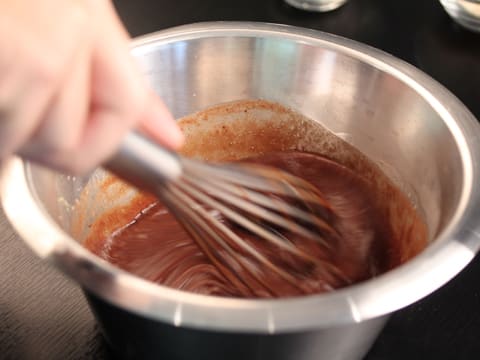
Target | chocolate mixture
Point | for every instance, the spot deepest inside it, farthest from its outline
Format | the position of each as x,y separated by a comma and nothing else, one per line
154,246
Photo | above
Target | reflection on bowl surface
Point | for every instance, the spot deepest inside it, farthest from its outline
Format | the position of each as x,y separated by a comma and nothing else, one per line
465,12
316,5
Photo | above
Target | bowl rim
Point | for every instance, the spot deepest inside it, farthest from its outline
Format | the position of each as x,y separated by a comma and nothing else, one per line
454,248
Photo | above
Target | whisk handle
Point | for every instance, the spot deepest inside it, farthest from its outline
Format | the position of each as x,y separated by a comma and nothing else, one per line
144,163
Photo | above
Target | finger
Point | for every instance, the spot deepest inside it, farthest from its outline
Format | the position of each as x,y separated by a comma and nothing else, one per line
116,82
19,110
40,53
115,103
118,99
153,117
24,95
114,99
61,128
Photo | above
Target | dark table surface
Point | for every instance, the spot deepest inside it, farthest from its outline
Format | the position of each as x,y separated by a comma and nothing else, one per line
43,315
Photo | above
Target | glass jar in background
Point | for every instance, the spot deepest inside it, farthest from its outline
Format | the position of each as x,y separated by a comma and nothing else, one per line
316,5
464,12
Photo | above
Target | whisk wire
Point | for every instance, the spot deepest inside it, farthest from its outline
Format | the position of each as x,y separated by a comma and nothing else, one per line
200,220
244,222
244,198
199,230
250,208
257,177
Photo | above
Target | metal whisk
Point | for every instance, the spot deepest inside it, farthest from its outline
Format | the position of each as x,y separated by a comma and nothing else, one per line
261,200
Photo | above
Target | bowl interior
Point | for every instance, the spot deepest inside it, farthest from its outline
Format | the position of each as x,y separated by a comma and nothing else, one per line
381,106
378,113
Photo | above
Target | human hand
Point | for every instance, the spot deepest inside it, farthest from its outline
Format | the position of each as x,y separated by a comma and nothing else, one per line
69,89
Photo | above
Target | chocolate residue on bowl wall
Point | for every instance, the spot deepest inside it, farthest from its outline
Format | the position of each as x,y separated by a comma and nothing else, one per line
380,227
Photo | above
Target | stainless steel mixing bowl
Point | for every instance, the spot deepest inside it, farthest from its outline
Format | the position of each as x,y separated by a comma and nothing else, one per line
419,133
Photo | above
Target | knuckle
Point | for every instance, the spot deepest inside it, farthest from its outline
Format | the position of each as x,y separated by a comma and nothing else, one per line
63,142
127,115
60,146
79,168
73,164
60,150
